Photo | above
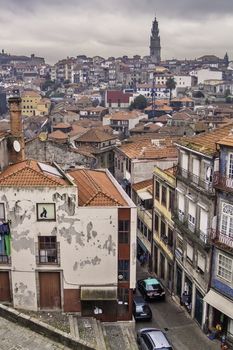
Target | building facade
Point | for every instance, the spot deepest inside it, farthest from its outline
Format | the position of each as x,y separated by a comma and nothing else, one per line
67,241
163,225
220,295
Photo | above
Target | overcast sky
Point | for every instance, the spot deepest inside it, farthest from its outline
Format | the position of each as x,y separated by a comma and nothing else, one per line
56,29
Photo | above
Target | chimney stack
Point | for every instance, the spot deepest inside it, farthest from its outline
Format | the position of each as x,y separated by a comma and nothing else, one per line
17,137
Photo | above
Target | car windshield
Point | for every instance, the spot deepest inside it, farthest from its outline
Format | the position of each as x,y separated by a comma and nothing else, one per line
167,348
142,308
139,308
152,287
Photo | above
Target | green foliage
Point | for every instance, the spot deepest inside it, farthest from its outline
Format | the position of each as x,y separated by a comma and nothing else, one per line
170,85
140,102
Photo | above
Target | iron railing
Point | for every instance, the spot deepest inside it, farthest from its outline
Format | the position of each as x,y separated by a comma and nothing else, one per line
191,230
4,259
223,182
222,238
198,181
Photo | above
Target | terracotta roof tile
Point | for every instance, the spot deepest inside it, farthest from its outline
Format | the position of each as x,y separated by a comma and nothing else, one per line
94,135
206,142
142,184
28,174
95,188
122,115
145,149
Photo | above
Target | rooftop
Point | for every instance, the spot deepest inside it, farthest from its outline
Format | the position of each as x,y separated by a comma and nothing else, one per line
205,143
125,115
95,188
149,149
94,135
30,173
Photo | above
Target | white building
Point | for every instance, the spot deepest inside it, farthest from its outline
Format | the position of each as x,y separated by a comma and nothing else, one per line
73,241
208,74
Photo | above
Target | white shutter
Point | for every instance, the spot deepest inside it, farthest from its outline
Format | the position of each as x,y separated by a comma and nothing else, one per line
2,212
184,161
201,262
192,209
181,202
216,164
189,252
203,221
196,167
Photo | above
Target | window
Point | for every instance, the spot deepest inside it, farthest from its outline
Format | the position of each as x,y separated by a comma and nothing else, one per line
123,231
203,224
164,196
123,270
224,268
123,298
227,220
201,262
189,252
171,201
156,223
163,228
230,166
181,206
192,216
157,186
2,212
170,237
47,250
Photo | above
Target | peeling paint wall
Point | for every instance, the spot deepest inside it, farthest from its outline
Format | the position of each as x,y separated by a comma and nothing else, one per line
88,238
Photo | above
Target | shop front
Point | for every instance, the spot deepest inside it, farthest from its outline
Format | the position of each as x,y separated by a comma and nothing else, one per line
220,313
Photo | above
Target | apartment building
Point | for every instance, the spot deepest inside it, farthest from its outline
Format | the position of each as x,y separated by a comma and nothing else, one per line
163,225
30,101
220,296
194,219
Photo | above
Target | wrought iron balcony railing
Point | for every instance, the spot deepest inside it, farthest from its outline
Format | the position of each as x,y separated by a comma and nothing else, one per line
222,238
223,182
4,259
197,181
191,229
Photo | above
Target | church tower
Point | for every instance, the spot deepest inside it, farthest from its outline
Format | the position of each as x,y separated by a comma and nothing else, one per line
155,48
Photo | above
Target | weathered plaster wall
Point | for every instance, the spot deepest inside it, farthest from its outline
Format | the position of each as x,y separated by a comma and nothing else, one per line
49,151
88,239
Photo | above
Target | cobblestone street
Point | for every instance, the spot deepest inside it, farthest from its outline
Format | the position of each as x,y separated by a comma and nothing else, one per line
14,337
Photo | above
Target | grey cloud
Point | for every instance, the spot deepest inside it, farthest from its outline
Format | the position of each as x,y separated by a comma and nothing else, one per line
56,29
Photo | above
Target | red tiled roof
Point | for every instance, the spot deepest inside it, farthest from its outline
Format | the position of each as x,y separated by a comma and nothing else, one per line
95,188
29,174
115,95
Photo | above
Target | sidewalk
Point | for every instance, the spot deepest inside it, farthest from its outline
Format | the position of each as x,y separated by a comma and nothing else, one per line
180,328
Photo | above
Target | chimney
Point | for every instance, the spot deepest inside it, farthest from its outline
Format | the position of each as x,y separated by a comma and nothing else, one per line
16,149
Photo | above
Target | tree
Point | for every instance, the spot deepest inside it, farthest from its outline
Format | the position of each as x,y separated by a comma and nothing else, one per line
139,102
170,85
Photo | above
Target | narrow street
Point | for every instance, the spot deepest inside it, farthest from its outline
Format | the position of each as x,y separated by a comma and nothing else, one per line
181,330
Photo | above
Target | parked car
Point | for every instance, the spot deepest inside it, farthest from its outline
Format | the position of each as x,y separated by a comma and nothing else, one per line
151,289
141,310
152,339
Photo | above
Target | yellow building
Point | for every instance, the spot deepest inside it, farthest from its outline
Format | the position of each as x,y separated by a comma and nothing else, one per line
164,183
30,100
43,107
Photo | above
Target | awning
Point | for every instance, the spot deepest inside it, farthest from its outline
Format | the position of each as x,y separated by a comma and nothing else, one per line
219,302
144,195
99,293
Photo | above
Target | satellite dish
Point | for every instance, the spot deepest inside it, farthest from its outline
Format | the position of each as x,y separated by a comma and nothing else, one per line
16,146
43,136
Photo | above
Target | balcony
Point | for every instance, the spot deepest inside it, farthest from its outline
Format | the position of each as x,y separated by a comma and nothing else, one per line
224,183
5,260
188,228
49,254
198,182
220,238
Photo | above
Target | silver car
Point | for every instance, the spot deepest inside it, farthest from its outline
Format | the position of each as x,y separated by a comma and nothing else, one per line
152,339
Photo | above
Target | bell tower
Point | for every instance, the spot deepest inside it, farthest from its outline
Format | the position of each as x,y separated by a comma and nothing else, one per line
155,47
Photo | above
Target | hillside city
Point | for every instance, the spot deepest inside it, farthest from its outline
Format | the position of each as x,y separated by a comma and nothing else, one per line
116,183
